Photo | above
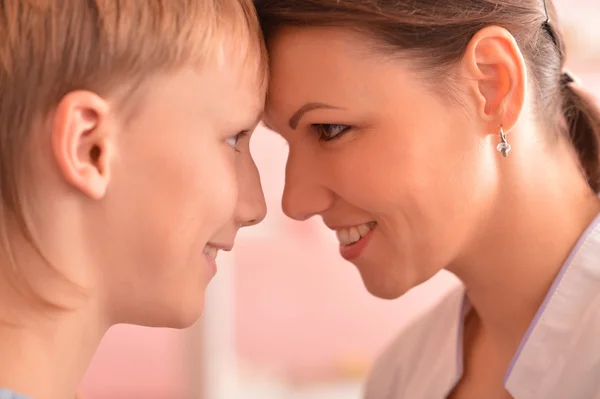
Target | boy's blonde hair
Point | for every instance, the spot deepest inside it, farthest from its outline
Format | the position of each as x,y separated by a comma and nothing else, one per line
49,48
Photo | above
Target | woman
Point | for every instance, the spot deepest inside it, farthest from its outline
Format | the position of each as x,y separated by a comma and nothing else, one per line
121,148
436,135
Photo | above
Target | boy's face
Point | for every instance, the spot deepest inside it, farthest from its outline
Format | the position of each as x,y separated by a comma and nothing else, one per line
183,182
131,200
147,191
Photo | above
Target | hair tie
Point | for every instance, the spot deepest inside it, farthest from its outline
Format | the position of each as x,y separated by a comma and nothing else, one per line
566,78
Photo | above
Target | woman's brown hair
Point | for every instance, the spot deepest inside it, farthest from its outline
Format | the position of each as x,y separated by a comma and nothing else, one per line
436,33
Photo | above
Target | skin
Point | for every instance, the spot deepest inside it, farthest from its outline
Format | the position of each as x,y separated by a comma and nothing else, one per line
425,168
137,197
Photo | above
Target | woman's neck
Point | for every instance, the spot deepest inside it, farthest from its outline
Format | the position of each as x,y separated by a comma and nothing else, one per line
544,209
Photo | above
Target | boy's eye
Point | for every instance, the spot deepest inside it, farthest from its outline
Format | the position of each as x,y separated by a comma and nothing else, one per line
233,140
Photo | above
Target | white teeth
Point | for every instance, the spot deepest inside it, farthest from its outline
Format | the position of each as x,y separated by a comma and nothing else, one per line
343,235
363,229
350,235
354,234
211,251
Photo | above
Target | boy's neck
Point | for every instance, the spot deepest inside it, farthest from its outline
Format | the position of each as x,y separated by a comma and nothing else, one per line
46,357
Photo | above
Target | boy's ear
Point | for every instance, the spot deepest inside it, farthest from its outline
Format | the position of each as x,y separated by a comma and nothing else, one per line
81,142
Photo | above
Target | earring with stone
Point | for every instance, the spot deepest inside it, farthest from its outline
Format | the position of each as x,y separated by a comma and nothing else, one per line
503,147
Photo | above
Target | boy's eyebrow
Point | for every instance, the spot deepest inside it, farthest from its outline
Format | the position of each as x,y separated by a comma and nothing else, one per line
259,118
255,122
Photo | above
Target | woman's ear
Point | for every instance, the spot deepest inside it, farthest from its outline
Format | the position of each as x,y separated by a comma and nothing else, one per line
495,68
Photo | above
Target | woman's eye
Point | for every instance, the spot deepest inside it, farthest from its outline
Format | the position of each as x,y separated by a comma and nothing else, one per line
328,132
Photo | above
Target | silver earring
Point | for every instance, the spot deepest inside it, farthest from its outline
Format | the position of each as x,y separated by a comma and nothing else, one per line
503,147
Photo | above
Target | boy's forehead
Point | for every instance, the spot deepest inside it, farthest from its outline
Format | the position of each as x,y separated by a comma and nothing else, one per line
245,52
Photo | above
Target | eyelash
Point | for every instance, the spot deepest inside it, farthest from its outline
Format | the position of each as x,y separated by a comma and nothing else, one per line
324,130
237,138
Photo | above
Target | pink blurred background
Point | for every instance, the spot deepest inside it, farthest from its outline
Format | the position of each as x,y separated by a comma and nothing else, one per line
301,314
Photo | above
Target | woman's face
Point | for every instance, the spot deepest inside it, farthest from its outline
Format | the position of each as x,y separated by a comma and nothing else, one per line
400,173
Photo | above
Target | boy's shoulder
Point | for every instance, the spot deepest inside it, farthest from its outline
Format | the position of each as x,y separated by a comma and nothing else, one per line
7,394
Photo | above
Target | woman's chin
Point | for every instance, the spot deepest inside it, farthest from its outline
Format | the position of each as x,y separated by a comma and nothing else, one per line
385,289
388,281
